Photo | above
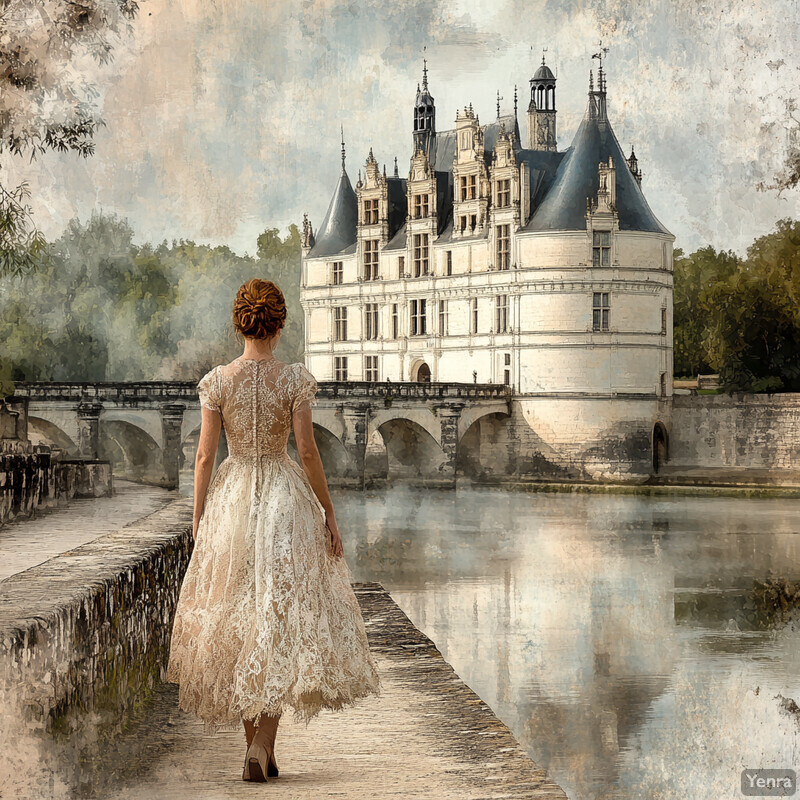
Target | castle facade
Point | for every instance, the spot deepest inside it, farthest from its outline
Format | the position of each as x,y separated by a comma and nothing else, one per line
498,258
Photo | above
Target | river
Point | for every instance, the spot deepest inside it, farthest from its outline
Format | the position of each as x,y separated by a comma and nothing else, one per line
622,638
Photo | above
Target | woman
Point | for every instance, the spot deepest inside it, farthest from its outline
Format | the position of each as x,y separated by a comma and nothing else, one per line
266,617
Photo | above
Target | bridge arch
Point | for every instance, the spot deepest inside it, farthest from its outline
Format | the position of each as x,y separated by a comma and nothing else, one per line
421,417
471,414
483,446
336,461
411,450
42,431
132,451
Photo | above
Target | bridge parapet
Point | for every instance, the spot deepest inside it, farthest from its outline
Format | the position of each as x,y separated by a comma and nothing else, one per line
137,392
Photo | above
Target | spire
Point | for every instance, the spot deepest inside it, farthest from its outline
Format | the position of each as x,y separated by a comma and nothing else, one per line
498,104
396,172
515,100
343,151
425,74
597,99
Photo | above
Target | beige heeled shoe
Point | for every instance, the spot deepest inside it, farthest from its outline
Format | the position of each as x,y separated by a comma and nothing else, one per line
256,763
259,762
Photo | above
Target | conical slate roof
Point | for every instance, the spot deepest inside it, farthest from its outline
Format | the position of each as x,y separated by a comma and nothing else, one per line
338,229
564,205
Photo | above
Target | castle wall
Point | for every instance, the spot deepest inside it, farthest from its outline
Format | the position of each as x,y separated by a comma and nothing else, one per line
740,433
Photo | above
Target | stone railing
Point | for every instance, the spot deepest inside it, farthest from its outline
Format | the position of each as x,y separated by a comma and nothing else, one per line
138,392
33,479
85,636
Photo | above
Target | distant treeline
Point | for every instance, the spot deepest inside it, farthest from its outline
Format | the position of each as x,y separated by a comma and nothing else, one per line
105,309
740,317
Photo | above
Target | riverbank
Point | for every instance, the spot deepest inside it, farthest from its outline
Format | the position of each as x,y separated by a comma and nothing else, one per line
84,637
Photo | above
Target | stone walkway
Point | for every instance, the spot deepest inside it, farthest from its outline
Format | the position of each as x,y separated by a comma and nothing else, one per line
30,542
427,736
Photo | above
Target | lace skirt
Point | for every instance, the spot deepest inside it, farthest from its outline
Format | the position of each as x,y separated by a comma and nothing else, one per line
266,617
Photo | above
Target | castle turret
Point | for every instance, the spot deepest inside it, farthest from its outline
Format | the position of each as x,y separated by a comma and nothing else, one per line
633,164
425,119
542,110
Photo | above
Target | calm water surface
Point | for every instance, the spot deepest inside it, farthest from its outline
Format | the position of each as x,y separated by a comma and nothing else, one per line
617,636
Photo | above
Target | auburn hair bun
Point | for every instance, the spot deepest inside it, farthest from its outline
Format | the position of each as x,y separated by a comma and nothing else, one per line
259,310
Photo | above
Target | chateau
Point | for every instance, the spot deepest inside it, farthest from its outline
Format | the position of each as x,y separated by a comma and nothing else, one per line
498,258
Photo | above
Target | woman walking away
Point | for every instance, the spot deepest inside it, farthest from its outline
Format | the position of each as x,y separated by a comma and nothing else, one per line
266,617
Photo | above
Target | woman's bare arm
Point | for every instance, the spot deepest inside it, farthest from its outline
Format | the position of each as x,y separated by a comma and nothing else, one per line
210,428
312,465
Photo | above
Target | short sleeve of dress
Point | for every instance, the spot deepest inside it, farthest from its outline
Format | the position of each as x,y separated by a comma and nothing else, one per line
305,388
208,391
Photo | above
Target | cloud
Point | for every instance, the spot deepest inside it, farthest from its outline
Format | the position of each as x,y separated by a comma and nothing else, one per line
223,118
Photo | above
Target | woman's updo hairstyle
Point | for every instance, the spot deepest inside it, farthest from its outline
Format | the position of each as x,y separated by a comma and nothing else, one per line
259,310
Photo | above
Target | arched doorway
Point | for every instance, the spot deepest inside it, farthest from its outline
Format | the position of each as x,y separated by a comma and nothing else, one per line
423,373
660,446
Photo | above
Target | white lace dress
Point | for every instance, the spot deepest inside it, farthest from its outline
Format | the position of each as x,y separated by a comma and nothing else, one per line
266,617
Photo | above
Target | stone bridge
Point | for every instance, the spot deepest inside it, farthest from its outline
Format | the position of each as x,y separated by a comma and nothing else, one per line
149,429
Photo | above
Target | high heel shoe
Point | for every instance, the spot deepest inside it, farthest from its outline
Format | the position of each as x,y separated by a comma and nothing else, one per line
256,763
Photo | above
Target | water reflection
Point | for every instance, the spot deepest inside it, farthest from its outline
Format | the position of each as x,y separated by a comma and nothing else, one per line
619,637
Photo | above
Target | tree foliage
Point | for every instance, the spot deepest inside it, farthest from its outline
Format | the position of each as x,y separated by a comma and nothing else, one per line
105,308
741,317
48,100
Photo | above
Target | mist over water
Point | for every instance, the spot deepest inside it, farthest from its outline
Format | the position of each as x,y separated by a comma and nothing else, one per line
625,640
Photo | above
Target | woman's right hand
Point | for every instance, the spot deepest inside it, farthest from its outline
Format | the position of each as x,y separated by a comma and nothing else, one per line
334,539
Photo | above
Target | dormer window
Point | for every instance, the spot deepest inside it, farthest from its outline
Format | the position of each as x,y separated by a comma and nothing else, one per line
503,193
466,140
421,208
469,185
371,212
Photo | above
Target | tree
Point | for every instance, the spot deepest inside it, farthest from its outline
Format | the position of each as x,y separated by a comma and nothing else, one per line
695,277
47,102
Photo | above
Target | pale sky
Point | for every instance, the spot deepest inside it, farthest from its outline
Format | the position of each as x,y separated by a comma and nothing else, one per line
223,117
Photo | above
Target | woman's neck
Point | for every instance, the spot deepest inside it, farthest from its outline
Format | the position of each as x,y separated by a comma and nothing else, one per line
258,348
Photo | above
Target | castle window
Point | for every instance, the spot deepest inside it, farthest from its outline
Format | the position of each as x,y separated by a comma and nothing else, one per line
601,248
337,273
463,223
466,140
503,246
474,317
420,206
469,187
395,322
370,259
449,262
507,370
442,317
371,212
401,267
420,254
370,368
418,317
473,221
340,323
340,368
663,320
371,321
663,384
600,309
501,313
503,193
